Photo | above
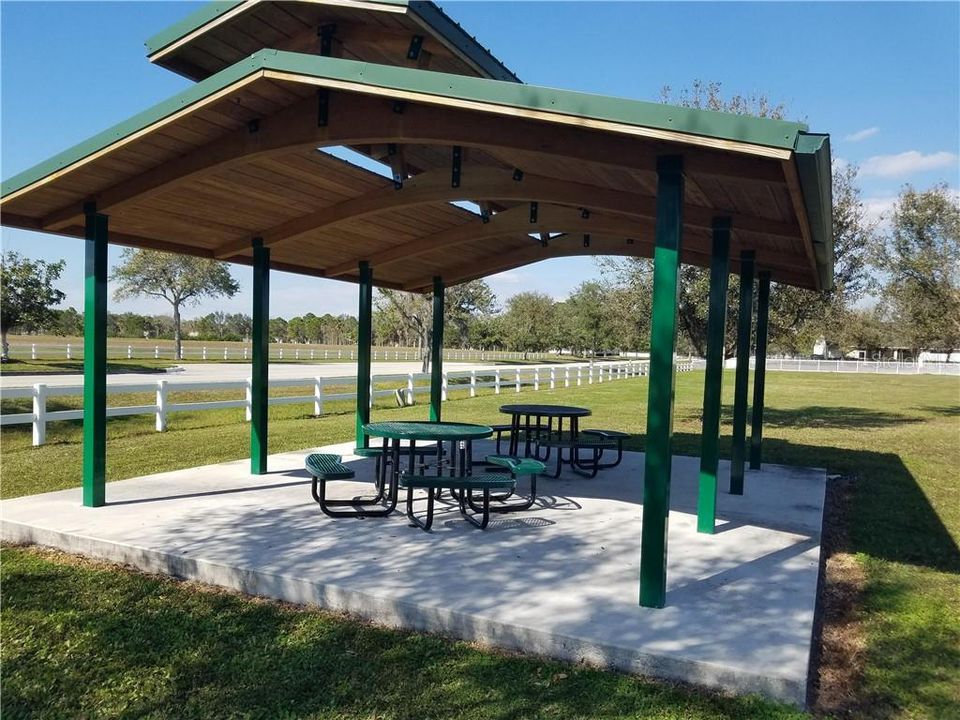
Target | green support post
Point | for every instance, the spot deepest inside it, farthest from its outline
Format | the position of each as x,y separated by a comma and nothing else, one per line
738,452
663,341
364,341
760,368
436,351
95,359
261,357
713,383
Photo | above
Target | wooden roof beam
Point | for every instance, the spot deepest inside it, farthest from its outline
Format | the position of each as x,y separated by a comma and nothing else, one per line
434,186
512,222
366,120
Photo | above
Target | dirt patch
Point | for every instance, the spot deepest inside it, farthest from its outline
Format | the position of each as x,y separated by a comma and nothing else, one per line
840,640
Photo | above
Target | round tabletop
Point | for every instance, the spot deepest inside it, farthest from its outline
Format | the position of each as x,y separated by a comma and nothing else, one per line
545,410
427,430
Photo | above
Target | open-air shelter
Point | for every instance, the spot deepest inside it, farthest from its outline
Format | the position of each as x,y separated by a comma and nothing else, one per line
237,168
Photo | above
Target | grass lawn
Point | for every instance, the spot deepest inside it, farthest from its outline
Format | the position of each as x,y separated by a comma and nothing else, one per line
898,438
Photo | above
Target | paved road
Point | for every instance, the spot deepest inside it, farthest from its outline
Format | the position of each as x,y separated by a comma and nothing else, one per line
211,372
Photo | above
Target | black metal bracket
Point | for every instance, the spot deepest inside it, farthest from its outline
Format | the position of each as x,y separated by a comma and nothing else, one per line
484,213
326,33
323,106
253,126
586,240
455,172
629,241
517,174
584,213
416,43
397,176
534,211
399,106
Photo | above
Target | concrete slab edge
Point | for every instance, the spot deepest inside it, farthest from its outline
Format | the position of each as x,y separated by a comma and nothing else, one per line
401,614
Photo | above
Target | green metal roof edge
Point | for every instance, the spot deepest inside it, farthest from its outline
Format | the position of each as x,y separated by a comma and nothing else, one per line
740,128
816,183
453,32
133,124
427,10
761,131
195,20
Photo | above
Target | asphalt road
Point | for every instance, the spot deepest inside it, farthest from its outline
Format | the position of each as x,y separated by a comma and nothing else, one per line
211,372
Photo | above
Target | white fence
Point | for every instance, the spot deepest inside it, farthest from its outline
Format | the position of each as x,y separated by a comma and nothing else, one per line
240,353
890,367
505,379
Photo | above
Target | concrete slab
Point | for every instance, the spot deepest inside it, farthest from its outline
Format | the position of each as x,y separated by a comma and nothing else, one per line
559,580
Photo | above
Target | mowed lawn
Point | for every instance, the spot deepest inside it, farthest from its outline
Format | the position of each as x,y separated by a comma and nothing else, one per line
81,639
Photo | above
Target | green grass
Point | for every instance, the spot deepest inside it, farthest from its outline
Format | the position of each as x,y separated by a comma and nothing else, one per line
82,640
899,437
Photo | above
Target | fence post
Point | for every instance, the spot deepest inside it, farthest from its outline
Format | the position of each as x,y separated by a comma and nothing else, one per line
339,353
566,376
496,382
296,354
536,379
156,352
281,352
249,400
473,383
443,386
244,353
204,352
33,351
590,375
318,396
517,371
129,352
351,354
39,414
224,353
410,388
579,375
161,419
553,379
69,353
311,353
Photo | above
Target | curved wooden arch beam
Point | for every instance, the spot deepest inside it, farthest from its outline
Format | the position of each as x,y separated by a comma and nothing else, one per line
488,184
571,245
356,119
512,222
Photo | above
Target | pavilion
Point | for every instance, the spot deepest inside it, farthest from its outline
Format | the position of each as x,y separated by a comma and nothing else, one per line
235,168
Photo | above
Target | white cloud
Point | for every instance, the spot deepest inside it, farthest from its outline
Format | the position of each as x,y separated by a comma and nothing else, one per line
861,134
906,163
878,209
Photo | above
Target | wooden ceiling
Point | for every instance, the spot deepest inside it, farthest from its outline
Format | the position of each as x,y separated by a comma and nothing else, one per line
416,35
245,162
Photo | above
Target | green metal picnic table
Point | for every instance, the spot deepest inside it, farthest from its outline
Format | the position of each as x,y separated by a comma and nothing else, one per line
460,436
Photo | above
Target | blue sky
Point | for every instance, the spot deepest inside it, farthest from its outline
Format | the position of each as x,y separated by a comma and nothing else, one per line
882,78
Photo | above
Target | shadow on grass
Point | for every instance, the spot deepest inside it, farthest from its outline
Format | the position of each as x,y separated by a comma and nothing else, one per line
164,650
64,367
895,520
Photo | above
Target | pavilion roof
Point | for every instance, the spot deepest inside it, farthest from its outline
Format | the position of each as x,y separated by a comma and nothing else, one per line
391,32
236,157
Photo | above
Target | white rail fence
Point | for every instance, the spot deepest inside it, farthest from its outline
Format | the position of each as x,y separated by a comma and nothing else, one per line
503,380
883,367
239,353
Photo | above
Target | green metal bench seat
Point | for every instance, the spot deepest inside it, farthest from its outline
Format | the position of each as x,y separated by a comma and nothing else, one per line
461,487
517,466
567,441
324,467
616,436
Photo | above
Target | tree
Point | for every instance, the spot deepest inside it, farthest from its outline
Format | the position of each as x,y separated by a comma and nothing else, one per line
27,294
920,261
178,279
797,316
410,315
529,322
